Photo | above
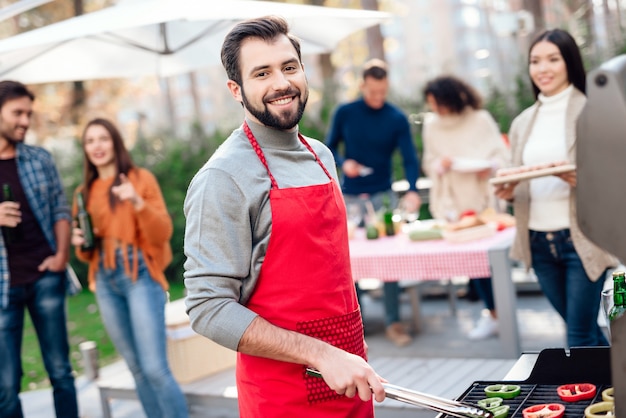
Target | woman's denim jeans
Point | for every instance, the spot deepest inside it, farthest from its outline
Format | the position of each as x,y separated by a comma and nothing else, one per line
133,313
563,280
45,300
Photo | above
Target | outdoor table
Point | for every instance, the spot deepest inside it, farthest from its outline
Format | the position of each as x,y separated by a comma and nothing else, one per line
397,258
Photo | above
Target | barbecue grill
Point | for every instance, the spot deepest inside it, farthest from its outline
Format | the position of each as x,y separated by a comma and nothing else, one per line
554,367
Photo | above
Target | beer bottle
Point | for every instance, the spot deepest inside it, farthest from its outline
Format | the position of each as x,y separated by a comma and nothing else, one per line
619,296
12,234
390,229
84,223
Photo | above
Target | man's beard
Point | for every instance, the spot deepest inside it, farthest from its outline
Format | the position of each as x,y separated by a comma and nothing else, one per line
10,139
288,119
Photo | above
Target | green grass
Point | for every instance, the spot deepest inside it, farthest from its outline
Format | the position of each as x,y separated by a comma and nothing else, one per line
84,324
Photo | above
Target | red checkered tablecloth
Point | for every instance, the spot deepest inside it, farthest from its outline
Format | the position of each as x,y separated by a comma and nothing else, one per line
398,258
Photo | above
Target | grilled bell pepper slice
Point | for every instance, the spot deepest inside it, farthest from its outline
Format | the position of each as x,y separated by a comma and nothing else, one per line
489,403
576,392
502,391
501,411
600,410
544,410
494,405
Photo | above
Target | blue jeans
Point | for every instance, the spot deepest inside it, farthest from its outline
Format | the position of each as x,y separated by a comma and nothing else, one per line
45,300
562,278
484,290
133,313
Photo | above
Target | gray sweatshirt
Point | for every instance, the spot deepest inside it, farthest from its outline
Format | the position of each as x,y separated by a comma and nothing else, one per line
229,222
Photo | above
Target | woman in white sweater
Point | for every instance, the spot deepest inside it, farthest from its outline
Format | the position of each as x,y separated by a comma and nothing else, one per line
460,131
570,268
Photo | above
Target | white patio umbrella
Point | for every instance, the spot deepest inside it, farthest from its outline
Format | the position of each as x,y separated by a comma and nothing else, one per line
161,37
20,6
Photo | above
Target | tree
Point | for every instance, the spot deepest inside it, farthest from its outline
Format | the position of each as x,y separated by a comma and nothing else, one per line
79,94
535,7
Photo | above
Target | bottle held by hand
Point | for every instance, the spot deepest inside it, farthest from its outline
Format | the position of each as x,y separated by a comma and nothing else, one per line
12,235
84,223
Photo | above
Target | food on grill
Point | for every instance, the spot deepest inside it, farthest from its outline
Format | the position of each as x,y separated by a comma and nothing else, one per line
607,395
494,405
544,410
489,402
600,410
502,391
576,392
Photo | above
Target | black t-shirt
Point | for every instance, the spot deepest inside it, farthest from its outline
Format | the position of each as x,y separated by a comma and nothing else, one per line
32,248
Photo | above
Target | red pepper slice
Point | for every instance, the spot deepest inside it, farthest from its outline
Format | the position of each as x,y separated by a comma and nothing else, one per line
544,410
576,392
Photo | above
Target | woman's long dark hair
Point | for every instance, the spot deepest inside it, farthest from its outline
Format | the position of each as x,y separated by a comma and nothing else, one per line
123,160
570,53
453,93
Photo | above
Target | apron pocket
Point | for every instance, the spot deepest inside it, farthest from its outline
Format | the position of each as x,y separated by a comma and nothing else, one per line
343,331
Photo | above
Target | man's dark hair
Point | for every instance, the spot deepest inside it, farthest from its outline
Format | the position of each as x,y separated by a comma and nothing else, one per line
10,90
266,28
570,53
453,93
375,68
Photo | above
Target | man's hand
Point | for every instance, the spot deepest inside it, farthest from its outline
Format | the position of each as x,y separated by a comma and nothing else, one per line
10,214
55,263
350,375
411,201
345,373
351,168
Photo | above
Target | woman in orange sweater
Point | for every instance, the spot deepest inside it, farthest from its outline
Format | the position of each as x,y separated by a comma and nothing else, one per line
132,229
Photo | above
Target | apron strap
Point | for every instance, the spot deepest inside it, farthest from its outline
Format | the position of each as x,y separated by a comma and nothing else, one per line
261,155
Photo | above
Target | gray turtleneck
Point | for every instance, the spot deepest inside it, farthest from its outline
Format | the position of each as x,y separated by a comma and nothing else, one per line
229,222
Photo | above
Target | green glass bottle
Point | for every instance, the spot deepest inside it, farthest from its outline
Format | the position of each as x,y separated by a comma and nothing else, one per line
12,235
619,296
84,223
390,229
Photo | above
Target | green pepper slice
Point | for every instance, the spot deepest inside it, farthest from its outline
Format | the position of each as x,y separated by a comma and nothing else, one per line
501,411
494,405
489,403
502,391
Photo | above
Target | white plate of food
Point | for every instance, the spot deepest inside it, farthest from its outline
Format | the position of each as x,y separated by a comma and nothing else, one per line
469,165
530,172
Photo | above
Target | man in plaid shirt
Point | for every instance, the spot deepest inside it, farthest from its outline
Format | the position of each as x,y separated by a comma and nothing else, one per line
34,252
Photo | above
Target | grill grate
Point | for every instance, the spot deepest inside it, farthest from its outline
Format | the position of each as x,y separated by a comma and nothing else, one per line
531,394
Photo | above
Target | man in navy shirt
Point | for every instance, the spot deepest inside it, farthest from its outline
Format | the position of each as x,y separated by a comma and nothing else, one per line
371,130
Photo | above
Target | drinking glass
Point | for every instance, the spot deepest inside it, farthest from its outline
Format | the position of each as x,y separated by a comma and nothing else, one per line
607,304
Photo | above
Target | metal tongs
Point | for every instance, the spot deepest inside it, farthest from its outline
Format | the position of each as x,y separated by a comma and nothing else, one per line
435,403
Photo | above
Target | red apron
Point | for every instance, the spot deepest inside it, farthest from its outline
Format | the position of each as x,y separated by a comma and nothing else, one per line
305,285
